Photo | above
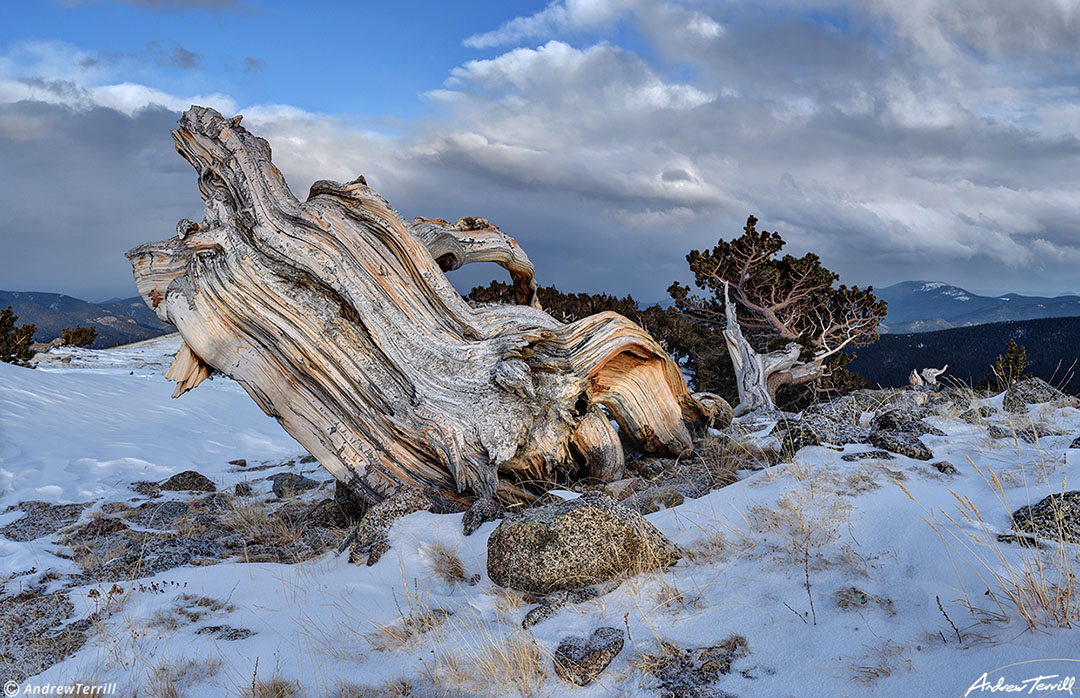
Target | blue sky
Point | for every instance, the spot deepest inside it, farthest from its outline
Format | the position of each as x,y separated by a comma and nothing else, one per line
899,139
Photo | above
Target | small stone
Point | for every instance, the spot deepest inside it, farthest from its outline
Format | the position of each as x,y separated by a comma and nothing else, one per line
904,443
225,632
376,552
945,467
239,462
556,601
189,481
654,499
901,421
621,489
1033,433
974,416
481,511
100,526
147,489
1075,443
289,484
243,489
579,660
867,455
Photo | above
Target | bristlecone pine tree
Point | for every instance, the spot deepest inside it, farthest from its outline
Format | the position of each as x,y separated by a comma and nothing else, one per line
697,347
15,341
789,301
78,336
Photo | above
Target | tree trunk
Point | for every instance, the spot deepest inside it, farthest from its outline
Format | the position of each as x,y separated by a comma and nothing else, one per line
335,316
759,376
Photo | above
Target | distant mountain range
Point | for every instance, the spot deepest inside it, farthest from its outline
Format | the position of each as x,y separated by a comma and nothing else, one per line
926,306
1052,346
118,321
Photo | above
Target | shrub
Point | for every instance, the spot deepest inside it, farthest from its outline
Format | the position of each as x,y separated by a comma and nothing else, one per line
78,336
15,341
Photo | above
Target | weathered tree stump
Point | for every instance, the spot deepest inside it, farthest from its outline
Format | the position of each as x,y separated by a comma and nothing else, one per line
335,315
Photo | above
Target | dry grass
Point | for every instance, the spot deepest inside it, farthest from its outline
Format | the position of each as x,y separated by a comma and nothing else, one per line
255,521
390,689
419,620
1036,583
445,563
171,679
723,457
879,661
674,600
471,657
274,687
187,608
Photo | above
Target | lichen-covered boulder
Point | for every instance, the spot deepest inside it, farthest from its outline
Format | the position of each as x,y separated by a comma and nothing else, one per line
1055,516
813,429
899,420
902,442
571,544
190,481
1032,391
579,660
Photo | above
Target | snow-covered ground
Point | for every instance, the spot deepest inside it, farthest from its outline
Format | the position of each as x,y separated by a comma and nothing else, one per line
87,424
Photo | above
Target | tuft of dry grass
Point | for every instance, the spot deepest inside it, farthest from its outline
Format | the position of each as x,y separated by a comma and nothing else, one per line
171,679
724,457
445,563
274,687
420,619
473,658
879,661
1035,582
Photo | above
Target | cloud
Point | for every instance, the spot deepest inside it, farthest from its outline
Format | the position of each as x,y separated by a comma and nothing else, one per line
897,140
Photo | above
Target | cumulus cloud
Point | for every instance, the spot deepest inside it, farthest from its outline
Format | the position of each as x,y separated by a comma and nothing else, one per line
897,139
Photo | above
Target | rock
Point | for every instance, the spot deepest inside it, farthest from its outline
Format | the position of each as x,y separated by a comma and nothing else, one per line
650,467
481,511
371,532
579,660
866,455
813,429
239,462
904,443
147,489
1031,391
243,489
1032,434
41,519
945,467
575,543
898,420
654,499
556,601
1075,443
1053,516
225,632
289,484
308,459
189,481
621,489
351,505
100,526
974,416
158,514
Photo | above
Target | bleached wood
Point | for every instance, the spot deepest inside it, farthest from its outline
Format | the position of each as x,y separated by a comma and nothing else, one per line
335,316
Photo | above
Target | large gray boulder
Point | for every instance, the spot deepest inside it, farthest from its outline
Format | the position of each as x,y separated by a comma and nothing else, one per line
571,544
1055,516
1032,391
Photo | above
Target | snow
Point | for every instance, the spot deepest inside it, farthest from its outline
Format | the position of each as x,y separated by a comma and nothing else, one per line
87,424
